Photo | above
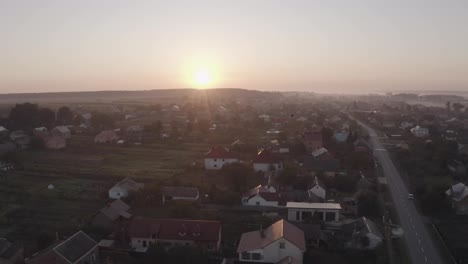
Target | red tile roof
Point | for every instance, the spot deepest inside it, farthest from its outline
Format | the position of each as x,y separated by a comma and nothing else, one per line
270,197
175,229
219,153
281,229
265,156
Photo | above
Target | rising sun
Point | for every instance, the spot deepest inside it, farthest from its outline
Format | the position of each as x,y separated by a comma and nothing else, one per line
203,78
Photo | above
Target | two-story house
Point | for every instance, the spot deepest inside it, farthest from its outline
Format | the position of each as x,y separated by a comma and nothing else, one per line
281,242
217,157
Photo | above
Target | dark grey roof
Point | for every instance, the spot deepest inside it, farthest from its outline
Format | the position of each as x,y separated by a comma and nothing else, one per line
361,226
7,249
75,247
321,165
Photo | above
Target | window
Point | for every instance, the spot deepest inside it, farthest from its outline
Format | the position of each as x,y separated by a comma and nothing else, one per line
144,243
245,255
215,165
257,203
118,194
214,159
298,216
256,256
223,159
282,245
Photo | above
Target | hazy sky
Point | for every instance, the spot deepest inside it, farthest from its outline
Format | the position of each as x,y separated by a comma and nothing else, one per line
65,45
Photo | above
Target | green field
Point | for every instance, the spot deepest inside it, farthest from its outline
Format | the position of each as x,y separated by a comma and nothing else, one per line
81,175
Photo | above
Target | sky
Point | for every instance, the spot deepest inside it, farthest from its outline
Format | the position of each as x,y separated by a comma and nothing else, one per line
323,46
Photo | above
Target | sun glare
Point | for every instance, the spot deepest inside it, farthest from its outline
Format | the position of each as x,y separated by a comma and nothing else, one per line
203,78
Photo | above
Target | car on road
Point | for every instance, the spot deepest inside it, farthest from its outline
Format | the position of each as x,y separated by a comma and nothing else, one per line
410,196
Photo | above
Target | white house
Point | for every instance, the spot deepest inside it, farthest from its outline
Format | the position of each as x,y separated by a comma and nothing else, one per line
280,242
317,190
124,188
420,131
327,212
265,161
217,157
261,196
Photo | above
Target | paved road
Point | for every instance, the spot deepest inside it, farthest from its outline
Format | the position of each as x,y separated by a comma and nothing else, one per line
420,245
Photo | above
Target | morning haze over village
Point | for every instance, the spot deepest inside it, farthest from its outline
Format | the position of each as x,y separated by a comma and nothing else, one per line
233,132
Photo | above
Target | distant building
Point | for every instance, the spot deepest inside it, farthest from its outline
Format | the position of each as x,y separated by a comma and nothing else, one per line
341,137
3,132
170,193
420,132
458,195
20,138
124,188
326,212
143,232
217,157
282,242
77,249
317,190
41,132
107,136
61,131
55,142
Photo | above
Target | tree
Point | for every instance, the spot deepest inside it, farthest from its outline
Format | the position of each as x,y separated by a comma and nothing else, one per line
237,175
288,175
24,116
64,116
102,121
367,203
43,240
154,128
46,117
457,107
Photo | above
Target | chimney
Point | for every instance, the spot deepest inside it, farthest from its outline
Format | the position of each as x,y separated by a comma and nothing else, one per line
262,233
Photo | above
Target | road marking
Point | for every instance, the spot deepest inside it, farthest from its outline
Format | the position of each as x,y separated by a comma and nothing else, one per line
417,234
422,249
419,241
426,259
413,227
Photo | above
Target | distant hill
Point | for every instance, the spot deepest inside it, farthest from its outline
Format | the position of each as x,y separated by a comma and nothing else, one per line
127,96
